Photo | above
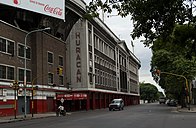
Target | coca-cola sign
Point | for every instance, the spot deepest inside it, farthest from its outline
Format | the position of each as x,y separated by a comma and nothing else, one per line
47,7
53,10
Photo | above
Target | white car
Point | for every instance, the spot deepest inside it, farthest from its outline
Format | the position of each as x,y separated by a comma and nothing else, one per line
116,104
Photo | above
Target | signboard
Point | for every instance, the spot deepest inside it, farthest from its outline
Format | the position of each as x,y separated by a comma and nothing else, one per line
62,100
54,8
73,96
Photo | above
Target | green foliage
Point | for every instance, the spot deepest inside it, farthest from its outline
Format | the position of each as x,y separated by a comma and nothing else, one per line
171,56
148,92
152,18
160,94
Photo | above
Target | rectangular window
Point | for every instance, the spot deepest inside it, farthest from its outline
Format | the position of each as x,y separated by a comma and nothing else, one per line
101,77
10,73
6,46
105,77
28,76
21,51
50,78
60,60
96,78
10,46
2,72
90,37
90,78
21,75
50,57
6,72
2,45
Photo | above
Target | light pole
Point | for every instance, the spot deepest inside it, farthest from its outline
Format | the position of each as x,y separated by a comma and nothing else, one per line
158,72
187,86
25,67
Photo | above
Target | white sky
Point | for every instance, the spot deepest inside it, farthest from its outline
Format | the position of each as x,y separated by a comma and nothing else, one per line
122,27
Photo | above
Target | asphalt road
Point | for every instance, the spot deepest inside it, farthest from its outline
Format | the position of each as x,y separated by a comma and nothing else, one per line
139,116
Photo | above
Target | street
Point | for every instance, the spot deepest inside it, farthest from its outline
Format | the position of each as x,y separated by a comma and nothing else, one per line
152,115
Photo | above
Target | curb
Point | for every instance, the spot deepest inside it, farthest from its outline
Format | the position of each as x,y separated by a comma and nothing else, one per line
186,110
23,119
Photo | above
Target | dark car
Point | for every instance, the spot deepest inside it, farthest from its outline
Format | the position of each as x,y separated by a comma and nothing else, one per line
116,104
172,102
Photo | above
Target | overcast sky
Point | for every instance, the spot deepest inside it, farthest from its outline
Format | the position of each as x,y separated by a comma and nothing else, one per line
122,27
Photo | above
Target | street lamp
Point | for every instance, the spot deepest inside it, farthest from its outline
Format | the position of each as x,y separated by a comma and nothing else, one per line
25,67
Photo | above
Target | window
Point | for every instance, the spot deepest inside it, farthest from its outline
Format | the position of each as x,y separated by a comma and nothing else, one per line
90,34
6,46
50,78
60,60
101,77
6,72
50,57
90,78
90,56
60,80
10,73
96,77
21,75
90,59
10,47
90,37
106,79
28,76
2,45
96,40
21,50
2,72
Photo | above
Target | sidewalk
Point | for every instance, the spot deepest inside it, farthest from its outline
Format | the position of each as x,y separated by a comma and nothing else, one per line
9,119
186,109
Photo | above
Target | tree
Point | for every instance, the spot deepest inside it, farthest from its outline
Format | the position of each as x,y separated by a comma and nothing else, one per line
152,18
148,92
168,58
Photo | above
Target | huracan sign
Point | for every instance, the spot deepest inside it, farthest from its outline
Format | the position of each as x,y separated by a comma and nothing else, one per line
78,58
47,7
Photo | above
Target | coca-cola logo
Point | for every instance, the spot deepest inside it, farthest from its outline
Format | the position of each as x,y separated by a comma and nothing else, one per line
54,10
16,2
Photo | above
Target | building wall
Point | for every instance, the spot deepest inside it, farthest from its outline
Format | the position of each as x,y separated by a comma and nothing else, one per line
76,56
45,43
110,66
40,44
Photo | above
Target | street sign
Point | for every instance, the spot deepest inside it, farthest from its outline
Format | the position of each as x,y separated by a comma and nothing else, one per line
62,100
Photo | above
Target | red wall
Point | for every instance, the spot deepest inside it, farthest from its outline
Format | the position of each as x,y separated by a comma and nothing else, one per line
7,111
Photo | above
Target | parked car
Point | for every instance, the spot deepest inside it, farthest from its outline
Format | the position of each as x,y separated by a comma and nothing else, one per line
116,104
162,100
172,102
